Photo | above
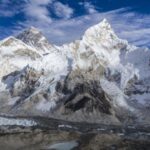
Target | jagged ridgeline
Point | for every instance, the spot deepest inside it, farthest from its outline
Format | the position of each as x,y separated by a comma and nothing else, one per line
99,78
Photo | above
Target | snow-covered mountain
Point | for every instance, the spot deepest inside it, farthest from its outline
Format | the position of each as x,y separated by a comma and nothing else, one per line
99,78
34,38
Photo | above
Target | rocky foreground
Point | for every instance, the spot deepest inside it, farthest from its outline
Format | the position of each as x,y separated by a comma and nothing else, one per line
48,134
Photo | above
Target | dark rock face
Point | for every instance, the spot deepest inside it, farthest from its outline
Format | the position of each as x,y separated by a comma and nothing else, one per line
88,96
83,98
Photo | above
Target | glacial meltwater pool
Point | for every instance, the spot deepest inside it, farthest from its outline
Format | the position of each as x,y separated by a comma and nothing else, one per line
62,140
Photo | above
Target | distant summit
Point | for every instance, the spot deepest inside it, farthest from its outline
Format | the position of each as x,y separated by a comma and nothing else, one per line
33,37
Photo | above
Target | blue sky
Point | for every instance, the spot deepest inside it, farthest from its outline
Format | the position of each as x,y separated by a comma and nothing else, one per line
63,21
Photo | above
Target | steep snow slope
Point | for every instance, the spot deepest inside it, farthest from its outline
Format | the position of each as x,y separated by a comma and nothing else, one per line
14,55
99,78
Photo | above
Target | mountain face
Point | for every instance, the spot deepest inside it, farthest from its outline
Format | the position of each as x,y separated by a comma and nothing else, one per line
99,78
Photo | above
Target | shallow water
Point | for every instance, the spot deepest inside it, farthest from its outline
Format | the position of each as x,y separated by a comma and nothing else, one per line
52,134
62,140
63,145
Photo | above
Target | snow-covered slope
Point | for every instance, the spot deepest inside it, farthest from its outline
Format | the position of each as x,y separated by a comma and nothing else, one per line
99,78
14,55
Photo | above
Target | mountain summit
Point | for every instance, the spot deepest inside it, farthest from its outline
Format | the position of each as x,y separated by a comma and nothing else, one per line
98,29
99,78
103,35
34,38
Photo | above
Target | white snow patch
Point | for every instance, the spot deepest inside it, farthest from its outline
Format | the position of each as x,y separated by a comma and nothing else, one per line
19,122
45,106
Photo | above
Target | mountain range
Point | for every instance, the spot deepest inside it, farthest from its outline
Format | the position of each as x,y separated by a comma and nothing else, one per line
99,78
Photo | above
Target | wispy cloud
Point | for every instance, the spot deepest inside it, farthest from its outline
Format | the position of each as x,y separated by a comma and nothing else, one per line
4,11
36,10
88,7
63,11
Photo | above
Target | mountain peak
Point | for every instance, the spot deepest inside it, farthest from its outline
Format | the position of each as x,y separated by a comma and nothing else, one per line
34,38
103,35
30,33
33,30
101,29
105,24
